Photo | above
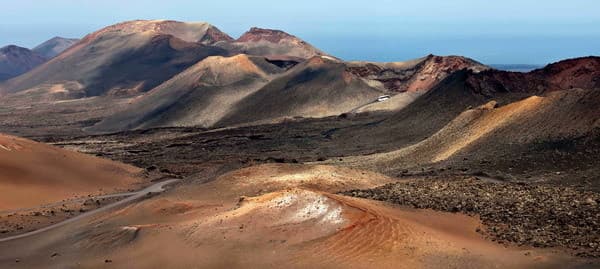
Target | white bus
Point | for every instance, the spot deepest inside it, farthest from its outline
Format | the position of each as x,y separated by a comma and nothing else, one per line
383,98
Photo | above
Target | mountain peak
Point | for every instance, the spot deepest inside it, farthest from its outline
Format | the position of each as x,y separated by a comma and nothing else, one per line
454,63
15,60
588,62
273,44
13,49
256,34
60,38
54,46
214,35
187,31
573,73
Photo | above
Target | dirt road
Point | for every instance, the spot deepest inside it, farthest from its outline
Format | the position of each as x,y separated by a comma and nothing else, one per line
158,187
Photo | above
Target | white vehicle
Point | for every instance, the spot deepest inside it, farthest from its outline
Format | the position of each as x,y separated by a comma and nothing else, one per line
383,98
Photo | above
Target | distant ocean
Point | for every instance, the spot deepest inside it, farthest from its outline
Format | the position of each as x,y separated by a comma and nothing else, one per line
516,67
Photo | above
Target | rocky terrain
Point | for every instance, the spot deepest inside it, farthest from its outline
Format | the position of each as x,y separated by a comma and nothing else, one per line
513,213
250,212
273,153
27,220
417,75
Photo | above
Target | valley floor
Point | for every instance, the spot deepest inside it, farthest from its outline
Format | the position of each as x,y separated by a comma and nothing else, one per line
247,192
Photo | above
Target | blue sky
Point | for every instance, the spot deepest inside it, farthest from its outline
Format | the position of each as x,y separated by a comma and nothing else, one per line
503,32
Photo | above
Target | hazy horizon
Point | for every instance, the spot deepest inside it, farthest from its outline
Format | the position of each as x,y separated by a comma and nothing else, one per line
511,32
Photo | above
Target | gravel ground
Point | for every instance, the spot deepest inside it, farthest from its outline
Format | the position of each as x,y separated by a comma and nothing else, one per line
521,214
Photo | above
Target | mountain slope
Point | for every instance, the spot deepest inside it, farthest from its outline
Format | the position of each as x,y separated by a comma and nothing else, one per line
415,75
219,92
127,57
581,73
199,96
465,89
318,87
405,81
15,61
545,130
273,44
35,174
54,46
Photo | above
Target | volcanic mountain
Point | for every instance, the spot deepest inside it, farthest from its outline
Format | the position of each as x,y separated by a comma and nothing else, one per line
54,46
405,81
466,89
245,89
531,128
416,75
133,56
204,95
200,96
531,124
581,73
318,87
15,61
273,44
324,86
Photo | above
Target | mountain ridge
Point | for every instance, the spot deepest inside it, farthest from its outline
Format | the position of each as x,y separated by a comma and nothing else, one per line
54,46
15,60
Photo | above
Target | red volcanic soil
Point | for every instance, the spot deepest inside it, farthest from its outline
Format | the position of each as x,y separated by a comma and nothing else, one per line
33,174
581,73
214,35
573,73
273,44
256,34
274,216
420,76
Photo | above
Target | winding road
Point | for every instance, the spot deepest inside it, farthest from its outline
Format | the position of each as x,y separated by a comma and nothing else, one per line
46,206
364,105
156,188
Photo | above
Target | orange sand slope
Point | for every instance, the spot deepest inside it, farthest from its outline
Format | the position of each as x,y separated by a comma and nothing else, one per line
32,174
274,216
